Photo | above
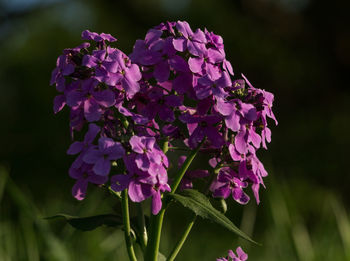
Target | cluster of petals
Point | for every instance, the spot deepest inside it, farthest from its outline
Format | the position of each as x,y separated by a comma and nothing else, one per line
176,85
146,172
240,256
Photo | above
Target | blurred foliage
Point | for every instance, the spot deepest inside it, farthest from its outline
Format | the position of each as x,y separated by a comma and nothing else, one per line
297,49
290,227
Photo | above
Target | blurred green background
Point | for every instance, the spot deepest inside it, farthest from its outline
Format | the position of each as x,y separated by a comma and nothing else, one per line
297,49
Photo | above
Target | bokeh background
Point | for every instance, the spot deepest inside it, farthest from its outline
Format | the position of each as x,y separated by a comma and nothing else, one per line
297,49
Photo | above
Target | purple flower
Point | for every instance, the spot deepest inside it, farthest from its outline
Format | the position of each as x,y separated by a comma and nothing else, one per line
137,190
136,180
246,134
201,126
87,35
64,67
122,71
142,55
208,86
193,42
176,84
229,182
91,99
207,62
102,155
241,256
146,150
84,175
113,67
58,103
264,100
161,185
83,146
162,105
234,111
142,185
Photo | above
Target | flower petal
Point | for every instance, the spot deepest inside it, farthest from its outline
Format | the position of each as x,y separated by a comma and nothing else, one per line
162,71
92,111
102,167
75,148
58,103
79,189
195,64
156,203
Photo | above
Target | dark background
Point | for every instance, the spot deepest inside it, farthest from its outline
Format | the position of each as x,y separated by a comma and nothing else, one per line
297,49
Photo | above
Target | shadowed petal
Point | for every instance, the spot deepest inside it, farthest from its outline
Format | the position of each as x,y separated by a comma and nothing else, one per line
75,148
58,103
214,136
97,179
102,167
75,98
79,189
92,155
178,64
239,195
120,182
92,111
91,133
166,114
222,192
162,71
105,98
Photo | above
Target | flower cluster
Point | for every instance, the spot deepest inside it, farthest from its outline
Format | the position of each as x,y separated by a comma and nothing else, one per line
241,256
176,87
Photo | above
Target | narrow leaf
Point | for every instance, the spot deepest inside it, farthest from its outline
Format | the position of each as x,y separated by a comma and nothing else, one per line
201,206
90,223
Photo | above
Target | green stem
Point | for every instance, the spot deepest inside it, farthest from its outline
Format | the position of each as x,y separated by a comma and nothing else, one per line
126,221
156,230
165,145
157,221
184,168
142,225
189,226
182,240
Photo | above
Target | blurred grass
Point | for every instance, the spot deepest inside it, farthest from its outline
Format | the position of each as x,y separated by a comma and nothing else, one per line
285,224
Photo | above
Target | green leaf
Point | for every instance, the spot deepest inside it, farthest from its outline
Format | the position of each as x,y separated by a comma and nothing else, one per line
90,223
201,206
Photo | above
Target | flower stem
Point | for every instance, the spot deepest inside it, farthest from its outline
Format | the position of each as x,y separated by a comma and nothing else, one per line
157,221
126,221
189,226
184,168
182,240
154,239
142,225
